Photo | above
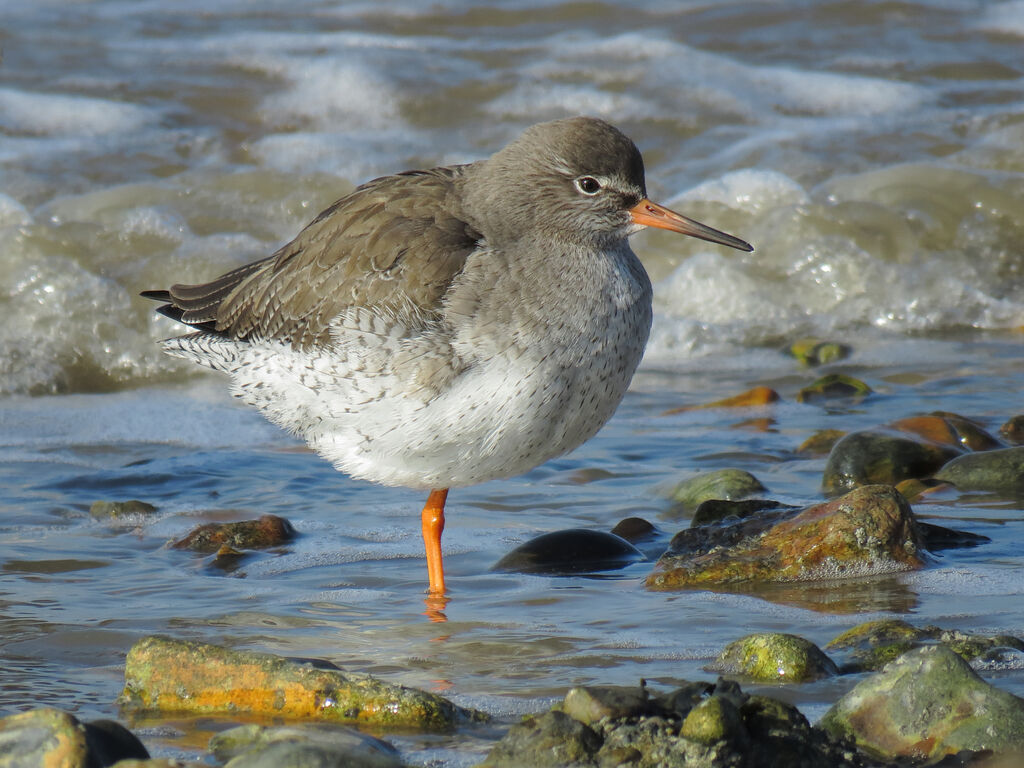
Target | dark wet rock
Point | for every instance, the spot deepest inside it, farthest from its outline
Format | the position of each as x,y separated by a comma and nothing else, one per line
754,397
872,456
635,529
999,471
305,746
575,550
1013,430
49,737
166,675
834,386
821,442
267,531
160,762
870,530
873,644
774,657
938,537
119,510
551,739
716,510
700,725
819,351
728,484
925,705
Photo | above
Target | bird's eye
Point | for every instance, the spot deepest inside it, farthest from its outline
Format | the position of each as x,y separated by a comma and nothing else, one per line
588,185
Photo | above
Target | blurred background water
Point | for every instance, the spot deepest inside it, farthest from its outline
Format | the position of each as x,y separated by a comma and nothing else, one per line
873,152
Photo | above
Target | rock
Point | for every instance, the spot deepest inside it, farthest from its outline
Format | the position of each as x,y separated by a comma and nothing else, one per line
914,488
871,457
820,443
818,352
118,510
589,704
834,386
870,530
1013,430
49,737
551,739
697,726
712,720
160,762
999,471
576,550
947,429
938,537
635,529
751,398
169,675
43,737
774,657
729,484
925,705
260,745
716,510
267,531
872,645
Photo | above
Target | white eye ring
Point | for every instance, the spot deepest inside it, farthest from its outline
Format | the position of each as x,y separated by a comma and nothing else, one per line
587,185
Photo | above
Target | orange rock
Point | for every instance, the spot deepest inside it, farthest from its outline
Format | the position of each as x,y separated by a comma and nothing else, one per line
752,397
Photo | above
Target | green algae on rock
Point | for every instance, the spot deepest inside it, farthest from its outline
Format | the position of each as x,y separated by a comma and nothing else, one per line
727,484
870,530
873,644
698,726
169,675
119,510
813,351
925,705
774,657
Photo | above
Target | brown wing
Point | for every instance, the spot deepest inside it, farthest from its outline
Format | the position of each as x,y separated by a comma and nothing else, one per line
393,242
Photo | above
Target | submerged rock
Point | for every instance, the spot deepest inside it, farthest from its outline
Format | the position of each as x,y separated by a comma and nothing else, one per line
576,550
1000,471
943,428
716,510
267,531
635,529
751,398
834,386
870,530
49,737
1013,430
177,676
118,510
727,484
253,746
821,442
871,457
774,657
925,705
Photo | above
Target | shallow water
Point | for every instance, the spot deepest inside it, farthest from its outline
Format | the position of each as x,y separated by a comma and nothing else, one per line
872,152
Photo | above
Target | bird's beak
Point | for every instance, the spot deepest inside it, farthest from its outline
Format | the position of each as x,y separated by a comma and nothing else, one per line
651,214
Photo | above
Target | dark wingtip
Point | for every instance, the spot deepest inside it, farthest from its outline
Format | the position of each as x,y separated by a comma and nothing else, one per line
156,295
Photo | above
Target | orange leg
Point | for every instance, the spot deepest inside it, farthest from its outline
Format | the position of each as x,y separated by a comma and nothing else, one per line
433,526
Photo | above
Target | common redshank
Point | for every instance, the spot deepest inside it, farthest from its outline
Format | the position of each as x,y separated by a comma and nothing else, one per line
440,328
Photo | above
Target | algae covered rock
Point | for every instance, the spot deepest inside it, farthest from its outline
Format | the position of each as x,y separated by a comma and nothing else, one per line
551,739
727,484
925,705
834,386
870,530
588,704
812,351
169,675
774,657
119,510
